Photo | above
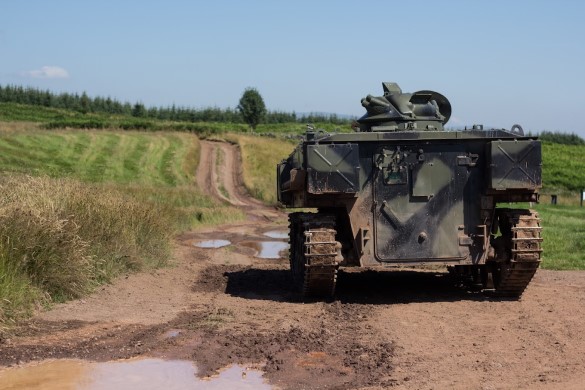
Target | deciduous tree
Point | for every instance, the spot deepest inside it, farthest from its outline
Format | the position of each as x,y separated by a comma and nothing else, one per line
252,107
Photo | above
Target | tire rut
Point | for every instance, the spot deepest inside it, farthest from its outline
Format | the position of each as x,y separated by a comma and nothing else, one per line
220,175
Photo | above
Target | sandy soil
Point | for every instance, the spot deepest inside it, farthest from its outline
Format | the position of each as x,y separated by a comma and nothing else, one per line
405,329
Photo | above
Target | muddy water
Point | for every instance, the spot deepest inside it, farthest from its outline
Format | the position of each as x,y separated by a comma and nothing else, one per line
172,333
267,249
212,243
276,234
271,249
143,374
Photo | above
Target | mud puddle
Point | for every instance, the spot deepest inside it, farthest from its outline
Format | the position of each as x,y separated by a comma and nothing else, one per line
172,333
267,249
212,243
271,249
131,374
282,234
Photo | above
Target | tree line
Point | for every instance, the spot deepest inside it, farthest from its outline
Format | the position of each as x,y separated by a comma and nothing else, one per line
87,104
561,138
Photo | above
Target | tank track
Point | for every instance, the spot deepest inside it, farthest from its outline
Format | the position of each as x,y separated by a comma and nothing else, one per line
314,254
521,236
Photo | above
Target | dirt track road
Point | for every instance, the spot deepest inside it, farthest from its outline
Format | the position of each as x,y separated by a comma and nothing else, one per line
401,329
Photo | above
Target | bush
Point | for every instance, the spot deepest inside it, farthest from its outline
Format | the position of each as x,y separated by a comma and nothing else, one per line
138,125
92,123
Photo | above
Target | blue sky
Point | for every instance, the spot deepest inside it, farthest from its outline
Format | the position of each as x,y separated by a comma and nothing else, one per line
498,62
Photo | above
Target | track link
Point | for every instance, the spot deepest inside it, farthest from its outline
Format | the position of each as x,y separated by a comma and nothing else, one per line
521,232
314,253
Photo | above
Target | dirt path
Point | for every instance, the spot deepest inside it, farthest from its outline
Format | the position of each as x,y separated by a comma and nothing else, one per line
402,329
219,175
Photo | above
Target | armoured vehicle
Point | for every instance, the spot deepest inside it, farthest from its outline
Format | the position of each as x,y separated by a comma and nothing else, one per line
402,190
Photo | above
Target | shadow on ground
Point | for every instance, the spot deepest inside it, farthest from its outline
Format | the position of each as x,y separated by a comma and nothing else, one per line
359,286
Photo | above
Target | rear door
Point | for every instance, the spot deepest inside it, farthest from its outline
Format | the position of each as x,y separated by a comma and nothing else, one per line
418,202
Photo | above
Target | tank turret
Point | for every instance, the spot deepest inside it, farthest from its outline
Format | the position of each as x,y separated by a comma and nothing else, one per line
397,111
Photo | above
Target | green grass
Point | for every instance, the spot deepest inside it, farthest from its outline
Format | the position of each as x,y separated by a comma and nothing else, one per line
53,118
79,207
259,158
28,113
563,236
563,167
102,156
219,158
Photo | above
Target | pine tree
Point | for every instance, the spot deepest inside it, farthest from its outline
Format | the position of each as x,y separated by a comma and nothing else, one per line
139,111
84,103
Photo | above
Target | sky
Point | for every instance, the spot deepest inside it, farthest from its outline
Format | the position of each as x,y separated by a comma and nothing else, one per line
499,63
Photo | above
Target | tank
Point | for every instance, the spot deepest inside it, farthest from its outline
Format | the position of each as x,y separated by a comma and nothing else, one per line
402,191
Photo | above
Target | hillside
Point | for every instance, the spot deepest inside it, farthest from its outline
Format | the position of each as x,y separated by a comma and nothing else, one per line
563,167
78,207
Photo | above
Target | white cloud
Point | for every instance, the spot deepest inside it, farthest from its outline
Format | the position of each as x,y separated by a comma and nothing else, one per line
47,72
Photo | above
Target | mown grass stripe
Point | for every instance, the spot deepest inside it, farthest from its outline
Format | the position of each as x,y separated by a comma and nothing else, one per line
131,160
152,159
167,159
165,166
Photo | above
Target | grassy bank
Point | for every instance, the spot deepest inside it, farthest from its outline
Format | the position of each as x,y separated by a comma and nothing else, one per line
259,158
563,236
78,208
61,237
563,167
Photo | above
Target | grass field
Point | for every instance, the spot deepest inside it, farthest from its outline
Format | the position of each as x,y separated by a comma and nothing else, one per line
563,236
563,167
166,159
79,207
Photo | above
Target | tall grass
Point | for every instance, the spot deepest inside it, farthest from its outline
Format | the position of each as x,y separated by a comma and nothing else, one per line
61,237
186,205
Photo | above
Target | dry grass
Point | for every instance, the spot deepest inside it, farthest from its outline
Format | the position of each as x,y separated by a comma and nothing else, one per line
259,158
18,127
61,237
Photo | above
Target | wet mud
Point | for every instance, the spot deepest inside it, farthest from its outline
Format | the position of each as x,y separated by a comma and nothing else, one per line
145,374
